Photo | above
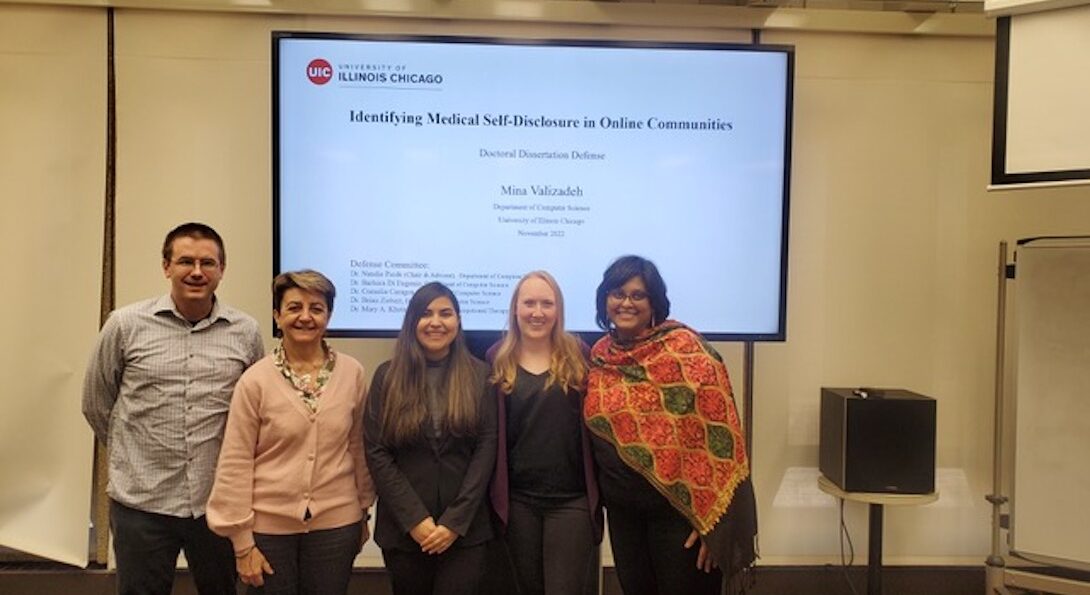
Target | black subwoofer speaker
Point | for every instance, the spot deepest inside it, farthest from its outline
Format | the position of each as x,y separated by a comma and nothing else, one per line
878,440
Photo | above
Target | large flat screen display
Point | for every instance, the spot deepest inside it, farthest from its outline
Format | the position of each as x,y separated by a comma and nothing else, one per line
399,161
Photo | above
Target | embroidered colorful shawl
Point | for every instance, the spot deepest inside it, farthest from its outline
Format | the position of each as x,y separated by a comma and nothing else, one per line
665,402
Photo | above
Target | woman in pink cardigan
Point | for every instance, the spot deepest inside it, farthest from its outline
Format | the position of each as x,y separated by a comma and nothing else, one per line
292,489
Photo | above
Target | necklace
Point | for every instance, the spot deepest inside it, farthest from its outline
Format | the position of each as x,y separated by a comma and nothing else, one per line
309,385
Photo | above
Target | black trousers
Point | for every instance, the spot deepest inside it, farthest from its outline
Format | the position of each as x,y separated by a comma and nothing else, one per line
315,563
551,544
146,546
457,571
650,556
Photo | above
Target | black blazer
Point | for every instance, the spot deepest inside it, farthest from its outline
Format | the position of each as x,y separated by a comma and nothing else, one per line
445,479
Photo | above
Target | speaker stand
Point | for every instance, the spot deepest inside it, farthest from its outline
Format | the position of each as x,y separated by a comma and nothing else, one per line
874,524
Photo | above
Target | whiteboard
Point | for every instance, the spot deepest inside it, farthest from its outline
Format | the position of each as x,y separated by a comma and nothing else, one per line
1050,503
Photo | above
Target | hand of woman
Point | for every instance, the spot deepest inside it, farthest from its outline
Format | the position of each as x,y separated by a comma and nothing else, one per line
422,530
439,540
252,566
365,535
704,560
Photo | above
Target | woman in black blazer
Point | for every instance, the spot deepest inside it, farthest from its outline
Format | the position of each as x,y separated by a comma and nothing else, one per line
430,433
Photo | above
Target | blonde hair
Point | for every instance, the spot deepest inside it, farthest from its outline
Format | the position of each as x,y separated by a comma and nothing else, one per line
567,366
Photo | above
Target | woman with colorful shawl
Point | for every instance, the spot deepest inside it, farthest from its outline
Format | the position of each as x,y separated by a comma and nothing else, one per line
668,444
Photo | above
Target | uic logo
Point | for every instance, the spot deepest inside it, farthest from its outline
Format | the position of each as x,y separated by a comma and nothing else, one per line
319,71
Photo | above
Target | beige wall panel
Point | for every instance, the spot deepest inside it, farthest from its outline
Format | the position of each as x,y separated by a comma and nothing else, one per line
890,284
892,281
890,57
52,114
193,144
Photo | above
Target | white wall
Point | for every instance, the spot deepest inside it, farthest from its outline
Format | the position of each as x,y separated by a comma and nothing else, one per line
52,157
890,284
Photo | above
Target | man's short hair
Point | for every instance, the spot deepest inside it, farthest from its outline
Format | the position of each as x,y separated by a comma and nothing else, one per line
197,231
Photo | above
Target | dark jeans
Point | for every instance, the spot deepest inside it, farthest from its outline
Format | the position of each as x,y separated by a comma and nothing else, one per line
456,571
649,553
146,546
315,563
551,543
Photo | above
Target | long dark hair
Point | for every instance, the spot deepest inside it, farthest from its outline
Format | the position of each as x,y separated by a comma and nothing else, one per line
618,273
405,384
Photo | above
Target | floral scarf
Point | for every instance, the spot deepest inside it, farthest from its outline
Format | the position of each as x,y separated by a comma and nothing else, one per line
665,402
309,388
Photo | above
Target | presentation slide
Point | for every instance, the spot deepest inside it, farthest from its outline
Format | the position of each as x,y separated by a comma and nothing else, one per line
472,162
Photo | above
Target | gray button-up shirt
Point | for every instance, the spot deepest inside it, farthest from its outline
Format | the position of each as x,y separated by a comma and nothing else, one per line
157,391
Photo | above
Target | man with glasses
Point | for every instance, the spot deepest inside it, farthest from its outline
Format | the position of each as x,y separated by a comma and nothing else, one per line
156,392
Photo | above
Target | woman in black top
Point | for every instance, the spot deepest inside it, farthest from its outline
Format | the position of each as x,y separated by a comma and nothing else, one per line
669,444
430,429
544,491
